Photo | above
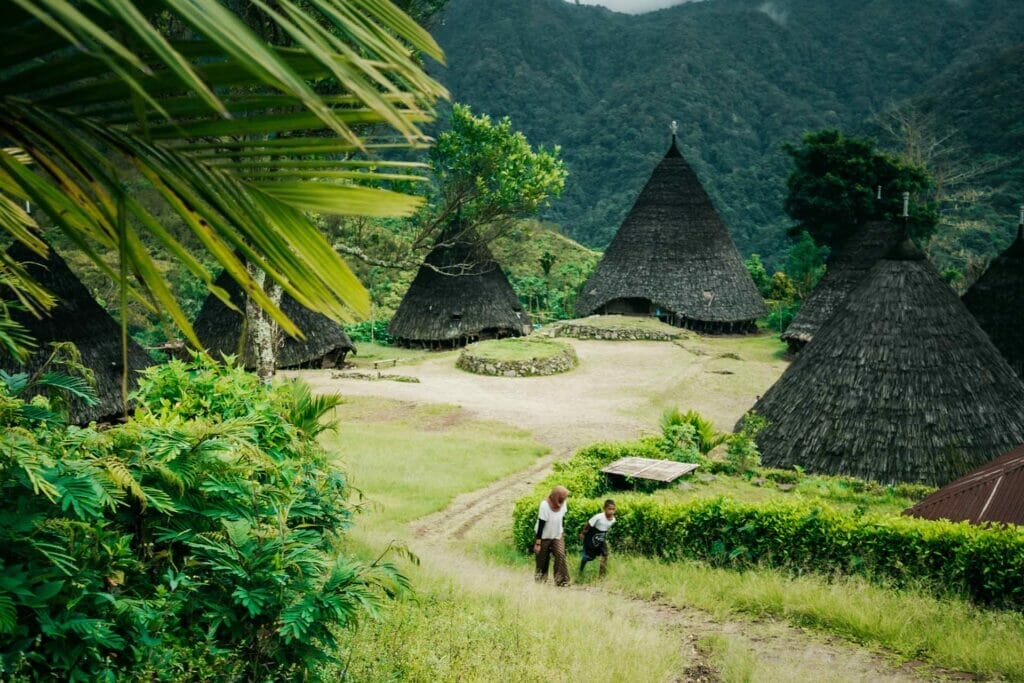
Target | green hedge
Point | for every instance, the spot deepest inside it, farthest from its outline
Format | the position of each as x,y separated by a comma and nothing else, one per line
985,564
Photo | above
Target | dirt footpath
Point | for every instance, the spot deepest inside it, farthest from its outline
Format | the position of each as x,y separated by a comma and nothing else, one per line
617,392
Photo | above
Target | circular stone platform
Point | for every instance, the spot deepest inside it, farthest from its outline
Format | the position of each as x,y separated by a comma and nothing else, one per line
616,328
517,357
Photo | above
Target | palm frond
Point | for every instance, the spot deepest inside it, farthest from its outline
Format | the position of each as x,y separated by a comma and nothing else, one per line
89,89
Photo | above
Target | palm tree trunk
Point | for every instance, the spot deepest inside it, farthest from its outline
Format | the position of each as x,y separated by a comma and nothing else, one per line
263,331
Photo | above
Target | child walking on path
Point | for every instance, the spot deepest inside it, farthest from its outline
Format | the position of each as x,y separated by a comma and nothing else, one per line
549,539
594,536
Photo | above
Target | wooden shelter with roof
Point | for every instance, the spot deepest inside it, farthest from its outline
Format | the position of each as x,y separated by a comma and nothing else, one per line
996,301
673,258
992,493
849,264
79,319
901,385
223,331
460,295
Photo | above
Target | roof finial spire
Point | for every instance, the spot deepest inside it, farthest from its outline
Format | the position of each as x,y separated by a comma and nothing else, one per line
906,207
1020,225
674,127
879,196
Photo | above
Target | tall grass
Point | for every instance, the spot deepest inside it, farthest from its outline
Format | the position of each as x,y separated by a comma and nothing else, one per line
946,632
486,624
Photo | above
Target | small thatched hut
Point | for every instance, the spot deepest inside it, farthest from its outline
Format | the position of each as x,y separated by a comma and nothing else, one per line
991,493
901,385
996,301
673,258
846,268
459,295
79,319
223,331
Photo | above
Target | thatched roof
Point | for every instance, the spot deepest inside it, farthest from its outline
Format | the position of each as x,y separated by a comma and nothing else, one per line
997,302
78,318
900,385
991,493
847,266
222,331
459,294
674,251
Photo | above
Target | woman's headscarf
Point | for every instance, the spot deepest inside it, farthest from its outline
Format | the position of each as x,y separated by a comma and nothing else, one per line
557,498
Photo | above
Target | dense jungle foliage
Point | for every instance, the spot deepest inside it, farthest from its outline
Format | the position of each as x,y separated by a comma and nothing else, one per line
742,77
196,541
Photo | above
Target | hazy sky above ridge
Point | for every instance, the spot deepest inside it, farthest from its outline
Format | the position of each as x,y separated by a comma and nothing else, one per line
633,6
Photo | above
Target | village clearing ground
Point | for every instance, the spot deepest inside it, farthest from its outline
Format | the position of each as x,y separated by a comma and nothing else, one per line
478,615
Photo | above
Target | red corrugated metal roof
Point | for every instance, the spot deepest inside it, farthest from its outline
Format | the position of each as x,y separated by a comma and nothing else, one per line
991,493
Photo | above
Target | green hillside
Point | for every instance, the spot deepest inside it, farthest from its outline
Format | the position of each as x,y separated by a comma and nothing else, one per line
740,76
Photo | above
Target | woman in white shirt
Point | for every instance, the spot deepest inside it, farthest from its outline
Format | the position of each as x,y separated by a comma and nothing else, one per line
549,538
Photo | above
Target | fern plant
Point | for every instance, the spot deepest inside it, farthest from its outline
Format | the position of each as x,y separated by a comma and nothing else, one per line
199,539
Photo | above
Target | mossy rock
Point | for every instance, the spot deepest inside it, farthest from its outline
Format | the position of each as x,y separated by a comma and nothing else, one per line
518,357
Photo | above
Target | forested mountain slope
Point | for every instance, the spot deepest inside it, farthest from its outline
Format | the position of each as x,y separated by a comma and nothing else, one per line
740,76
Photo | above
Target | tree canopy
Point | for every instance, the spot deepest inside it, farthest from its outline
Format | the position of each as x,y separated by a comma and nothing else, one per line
834,186
487,172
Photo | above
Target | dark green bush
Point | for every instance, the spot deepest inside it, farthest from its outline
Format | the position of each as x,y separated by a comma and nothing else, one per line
198,540
985,564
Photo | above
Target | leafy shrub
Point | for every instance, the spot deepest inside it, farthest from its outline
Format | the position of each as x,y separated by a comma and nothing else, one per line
197,540
742,453
367,331
985,564
689,436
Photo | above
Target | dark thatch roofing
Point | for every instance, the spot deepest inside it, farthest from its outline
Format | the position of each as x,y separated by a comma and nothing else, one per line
900,385
846,268
78,318
460,293
674,250
222,330
997,302
991,493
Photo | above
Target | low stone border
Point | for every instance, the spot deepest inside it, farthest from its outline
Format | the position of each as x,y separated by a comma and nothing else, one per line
373,377
563,361
578,331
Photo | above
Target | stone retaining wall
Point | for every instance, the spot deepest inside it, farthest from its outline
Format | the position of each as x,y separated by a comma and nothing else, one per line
562,362
577,331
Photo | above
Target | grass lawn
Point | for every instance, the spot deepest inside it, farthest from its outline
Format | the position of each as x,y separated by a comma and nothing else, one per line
810,488
470,620
367,353
518,349
411,460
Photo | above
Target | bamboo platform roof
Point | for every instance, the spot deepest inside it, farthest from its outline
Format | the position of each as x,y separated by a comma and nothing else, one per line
992,493
223,331
901,385
996,301
78,318
674,250
650,468
848,265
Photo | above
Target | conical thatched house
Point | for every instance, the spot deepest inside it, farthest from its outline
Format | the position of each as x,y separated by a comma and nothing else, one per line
459,295
223,331
78,318
847,267
900,385
996,301
673,258
991,493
